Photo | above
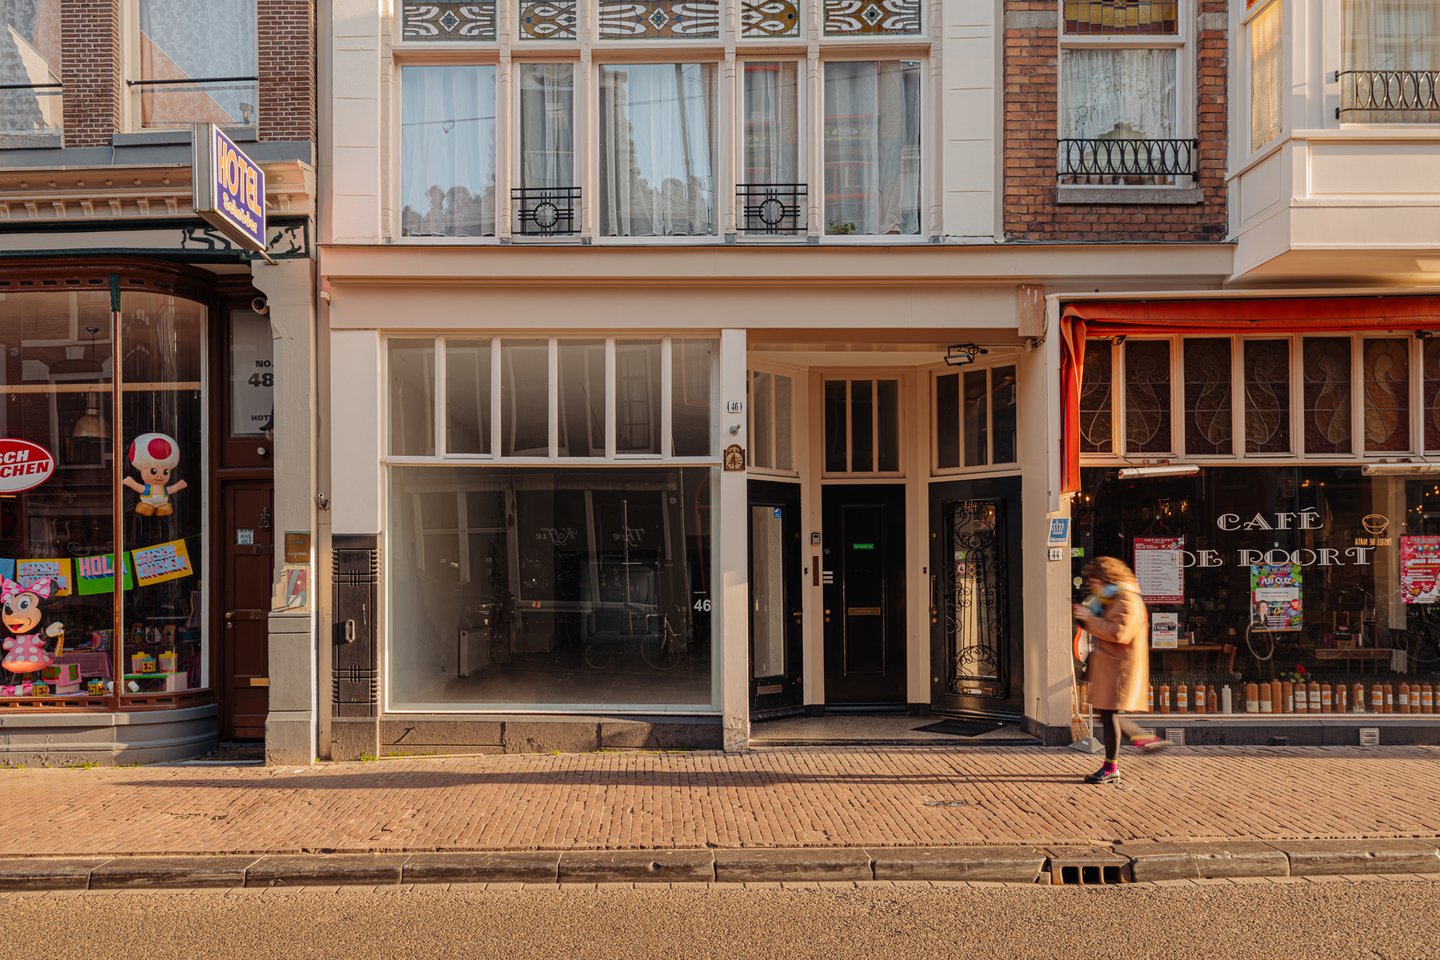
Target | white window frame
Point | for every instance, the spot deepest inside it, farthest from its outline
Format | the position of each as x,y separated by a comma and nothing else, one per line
903,417
1182,42
989,466
509,121
1249,153
130,111
803,147
797,383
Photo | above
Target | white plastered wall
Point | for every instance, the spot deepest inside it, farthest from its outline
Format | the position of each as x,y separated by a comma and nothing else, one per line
968,117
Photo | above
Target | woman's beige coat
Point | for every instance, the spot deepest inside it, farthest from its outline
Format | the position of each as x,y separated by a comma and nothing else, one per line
1119,665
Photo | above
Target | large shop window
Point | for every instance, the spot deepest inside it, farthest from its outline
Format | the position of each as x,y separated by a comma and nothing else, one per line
872,147
58,499
580,581
30,58
447,145
1289,589
198,63
657,150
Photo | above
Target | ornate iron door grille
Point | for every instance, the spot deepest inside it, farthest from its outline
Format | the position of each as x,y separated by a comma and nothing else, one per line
975,600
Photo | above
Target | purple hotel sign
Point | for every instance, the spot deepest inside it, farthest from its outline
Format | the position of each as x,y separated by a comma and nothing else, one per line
229,188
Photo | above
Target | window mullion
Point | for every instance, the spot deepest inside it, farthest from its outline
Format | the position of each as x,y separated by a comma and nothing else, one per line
1117,404
667,373
438,413
875,425
849,429
1417,394
1357,396
553,396
1237,397
495,371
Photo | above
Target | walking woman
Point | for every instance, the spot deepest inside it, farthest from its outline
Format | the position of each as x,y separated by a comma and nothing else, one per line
1119,664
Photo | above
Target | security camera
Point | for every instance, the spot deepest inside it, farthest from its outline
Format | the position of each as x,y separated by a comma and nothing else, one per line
261,306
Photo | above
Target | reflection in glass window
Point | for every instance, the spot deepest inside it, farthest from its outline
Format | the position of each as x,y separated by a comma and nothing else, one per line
762,418
657,150
1267,396
872,147
1326,368
947,421
837,426
862,426
541,586
784,423
1096,419
30,94
582,398
198,58
447,145
771,138
977,419
637,396
1431,406
1147,396
412,397
547,125
1387,393
467,396
690,386
1002,413
1209,425
525,398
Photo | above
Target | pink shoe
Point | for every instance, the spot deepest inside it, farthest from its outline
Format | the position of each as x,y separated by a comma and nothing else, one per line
1150,744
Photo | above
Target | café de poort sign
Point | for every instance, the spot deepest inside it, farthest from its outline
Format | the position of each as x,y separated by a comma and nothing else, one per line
23,465
229,188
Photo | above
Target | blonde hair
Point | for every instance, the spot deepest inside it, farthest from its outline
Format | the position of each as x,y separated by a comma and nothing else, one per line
1109,570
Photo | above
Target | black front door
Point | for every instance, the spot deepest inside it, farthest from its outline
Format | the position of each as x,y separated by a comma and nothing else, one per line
863,572
975,608
776,626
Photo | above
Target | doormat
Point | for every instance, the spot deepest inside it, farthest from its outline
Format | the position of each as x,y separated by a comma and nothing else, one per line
962,728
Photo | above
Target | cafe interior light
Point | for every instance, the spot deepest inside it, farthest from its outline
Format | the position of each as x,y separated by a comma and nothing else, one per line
1160,470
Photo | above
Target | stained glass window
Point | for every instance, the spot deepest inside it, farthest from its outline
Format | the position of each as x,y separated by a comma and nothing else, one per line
1267,396
1326,364
850,18
1096,424
430,20
1432,394
1386,369
659,19
547,20
1122,17
1209,423
769,18
1147,396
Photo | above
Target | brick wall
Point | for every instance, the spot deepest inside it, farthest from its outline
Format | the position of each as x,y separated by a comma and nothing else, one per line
90,70
1031,72
287,69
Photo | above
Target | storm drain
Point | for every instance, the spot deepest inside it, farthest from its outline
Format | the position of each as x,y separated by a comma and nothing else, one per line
1086,869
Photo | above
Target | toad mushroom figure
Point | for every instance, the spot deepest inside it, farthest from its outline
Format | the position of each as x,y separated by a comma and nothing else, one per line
154,456
26,651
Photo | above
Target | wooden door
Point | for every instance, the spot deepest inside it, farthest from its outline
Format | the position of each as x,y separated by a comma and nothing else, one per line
864,590
247,570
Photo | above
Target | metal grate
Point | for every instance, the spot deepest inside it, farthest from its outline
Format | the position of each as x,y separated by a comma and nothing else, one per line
1126,161
1369,736
772,209
545,211
1175,735
1389,96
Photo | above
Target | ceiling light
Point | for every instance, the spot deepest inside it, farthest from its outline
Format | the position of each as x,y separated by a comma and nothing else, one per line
1160,470
1400,469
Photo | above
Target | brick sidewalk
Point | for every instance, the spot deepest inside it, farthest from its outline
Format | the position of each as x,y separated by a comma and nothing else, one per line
788,798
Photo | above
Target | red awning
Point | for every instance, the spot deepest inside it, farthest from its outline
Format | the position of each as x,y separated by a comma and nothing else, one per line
1111,318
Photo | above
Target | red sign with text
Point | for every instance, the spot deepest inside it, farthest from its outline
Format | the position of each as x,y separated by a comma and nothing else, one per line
23,465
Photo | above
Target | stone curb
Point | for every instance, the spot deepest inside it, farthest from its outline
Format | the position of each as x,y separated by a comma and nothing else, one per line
1137,861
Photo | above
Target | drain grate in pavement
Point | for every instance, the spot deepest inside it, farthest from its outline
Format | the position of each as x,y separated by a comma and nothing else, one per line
1087,867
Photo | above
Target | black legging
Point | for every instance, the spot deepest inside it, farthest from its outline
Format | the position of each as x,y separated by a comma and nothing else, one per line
1114,727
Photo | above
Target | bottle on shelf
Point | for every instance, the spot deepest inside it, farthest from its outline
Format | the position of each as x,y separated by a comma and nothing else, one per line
1252,698
1287,695
1404,702
1226,699
1182,698
1164,698
1314,696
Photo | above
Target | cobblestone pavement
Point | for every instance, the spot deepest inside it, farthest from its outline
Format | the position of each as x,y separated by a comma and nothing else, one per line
795,797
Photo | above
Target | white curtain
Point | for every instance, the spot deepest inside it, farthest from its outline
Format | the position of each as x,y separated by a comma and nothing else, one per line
1108,94
771,125
447,151
1391,35
547,125
657,150
872,147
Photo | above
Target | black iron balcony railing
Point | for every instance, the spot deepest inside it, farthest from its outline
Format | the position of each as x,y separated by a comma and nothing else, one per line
772,209
1389,96
1127,161
545,211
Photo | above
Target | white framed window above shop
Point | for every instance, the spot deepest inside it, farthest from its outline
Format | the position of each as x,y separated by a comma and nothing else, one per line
546,192
771,397
864,426
975,418
1262,29
529,398
447,150
872,158
1321,396
1127,105
191,62
771,195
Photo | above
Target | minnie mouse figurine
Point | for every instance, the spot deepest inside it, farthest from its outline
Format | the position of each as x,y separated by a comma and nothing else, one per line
21,613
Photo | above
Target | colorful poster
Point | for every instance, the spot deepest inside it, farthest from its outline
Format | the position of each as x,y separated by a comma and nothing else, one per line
1159,570
1165,631
164,561
56,571
1275,597
7,568
1420,569
96,574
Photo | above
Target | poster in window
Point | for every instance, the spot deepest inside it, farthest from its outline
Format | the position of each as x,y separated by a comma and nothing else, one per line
1158,568
1275,597
1420,569
1165,631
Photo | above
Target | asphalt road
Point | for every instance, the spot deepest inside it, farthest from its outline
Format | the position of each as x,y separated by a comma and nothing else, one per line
1333,920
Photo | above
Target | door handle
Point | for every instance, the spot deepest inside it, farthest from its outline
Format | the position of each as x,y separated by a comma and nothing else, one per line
347,632
934,598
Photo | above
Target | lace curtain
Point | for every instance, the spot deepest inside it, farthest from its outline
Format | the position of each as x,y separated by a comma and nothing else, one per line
177,43
771,124
1391,35
872,147
657,150
1117,94
447,165
547,125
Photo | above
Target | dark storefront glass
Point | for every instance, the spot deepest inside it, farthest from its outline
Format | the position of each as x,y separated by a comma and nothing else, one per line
1290,575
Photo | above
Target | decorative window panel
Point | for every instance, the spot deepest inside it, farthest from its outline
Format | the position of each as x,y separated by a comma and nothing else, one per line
1209,424
769,18
1267,396
659,19
846,18
548,20
1097,434
1432,394
1147,396
1122,17
1326,365
448,21
1386,372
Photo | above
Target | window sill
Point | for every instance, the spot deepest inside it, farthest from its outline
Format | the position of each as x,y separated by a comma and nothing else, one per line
32,141
1130,196
148,138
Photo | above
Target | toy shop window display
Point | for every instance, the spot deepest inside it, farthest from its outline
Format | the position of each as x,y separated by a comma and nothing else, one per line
163,503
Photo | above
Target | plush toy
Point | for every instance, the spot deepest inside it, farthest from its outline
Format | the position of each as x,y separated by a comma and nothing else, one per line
21,613
154,456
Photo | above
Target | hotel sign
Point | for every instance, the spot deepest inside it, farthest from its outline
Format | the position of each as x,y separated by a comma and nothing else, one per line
229,188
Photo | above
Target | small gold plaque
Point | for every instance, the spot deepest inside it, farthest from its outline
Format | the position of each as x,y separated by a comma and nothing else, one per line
734,457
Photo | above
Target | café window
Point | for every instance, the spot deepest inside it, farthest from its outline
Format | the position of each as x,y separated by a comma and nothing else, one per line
975,418
66,645
195,63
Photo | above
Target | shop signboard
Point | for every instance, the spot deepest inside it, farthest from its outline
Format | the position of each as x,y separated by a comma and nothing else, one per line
229,188
23,465
1275,597
1420,569
1160,569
